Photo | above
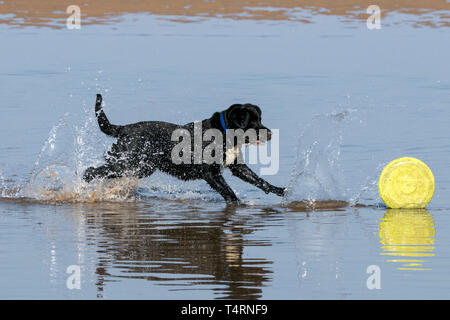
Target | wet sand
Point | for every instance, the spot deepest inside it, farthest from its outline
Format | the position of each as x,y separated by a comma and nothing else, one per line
47,13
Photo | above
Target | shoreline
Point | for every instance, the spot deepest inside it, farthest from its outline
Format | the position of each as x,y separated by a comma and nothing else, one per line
52,14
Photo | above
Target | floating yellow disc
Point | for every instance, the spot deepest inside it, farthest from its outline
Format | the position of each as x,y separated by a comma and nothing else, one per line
406,183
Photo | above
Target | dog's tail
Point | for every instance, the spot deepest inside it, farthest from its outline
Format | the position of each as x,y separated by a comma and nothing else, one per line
105,126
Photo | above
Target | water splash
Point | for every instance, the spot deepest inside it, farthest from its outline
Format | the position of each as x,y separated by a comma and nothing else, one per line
317,173
368,192
57,174
3,186
71,148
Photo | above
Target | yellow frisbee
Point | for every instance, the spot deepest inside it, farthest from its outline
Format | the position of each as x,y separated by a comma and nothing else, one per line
406,183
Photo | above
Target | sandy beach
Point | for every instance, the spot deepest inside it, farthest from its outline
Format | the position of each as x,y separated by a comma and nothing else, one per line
53,13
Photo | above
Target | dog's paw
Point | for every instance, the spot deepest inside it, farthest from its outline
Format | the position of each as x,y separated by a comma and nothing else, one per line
233,202
89,174
279,191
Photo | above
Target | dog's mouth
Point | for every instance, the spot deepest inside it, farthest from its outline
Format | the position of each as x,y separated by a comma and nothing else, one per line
260,140
256,143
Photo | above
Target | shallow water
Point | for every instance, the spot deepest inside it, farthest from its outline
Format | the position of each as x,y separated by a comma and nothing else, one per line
346,100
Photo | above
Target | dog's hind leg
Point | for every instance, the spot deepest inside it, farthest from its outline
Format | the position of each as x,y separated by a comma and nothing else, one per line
107,171
144,172
116,170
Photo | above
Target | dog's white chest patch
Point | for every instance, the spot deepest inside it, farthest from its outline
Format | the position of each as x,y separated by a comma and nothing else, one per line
231,155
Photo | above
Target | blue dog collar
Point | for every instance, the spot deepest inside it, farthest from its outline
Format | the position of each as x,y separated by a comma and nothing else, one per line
222,122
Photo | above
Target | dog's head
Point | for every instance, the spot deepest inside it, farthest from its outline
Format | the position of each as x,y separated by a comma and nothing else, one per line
246,116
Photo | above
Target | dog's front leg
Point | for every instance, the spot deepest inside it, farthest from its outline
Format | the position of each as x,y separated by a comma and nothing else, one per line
243,172
218,183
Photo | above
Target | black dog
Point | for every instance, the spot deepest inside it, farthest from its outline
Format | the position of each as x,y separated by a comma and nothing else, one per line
144,147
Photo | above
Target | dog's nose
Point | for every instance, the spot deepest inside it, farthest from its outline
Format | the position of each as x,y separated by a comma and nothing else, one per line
269,134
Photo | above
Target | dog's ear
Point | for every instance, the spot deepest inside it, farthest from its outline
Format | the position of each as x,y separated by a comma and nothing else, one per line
253,107
238,116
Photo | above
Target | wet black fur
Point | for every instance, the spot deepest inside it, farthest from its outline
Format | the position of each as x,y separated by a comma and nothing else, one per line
144,147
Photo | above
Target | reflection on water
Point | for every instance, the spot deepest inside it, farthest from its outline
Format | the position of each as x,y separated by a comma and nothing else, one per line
409,235
188,250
